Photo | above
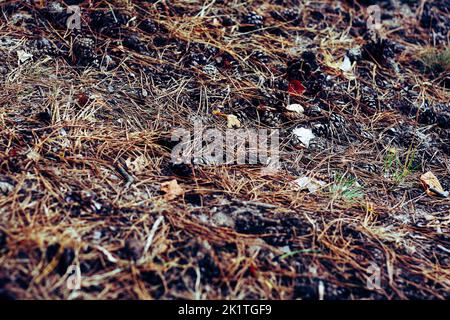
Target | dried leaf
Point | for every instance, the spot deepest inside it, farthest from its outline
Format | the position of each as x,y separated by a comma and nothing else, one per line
137,165
296,88
5,187
304,135
82,99
432,185
330,62
312,184
233,121
346,65
172,189
295,107
23,56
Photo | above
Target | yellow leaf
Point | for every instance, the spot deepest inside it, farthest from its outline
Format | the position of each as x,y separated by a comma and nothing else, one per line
329,61
233,121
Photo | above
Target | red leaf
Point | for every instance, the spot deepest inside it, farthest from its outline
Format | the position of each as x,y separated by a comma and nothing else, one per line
13,152
82,99
296,88
253,270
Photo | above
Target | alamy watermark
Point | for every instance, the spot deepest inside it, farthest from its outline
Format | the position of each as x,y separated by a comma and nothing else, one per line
211,146
374,277
374,19
73,281
74,20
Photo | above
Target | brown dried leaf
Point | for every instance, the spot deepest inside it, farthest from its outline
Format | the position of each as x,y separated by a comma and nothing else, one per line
172,189
432,185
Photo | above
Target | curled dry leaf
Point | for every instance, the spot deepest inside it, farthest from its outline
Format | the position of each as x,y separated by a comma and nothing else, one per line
233,121
23,56
172,189
312,184
295,107
5,187
432,185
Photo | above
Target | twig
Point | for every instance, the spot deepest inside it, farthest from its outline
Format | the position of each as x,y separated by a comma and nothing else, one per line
151,235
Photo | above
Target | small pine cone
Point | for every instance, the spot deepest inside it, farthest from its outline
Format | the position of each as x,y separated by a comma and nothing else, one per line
242,115
227,22
369,101
313,86
321,129
282,84
314,112
134,43
378,49
407,108
180,169
84,50
443,116
271,119
287,15
251,21
337,120
148,26
45,47
245,111
260,56
301,69
426,115
108,23
271,99
210,51
197,59
369,167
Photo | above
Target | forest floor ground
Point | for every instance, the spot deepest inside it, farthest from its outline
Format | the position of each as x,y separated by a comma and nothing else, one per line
92,205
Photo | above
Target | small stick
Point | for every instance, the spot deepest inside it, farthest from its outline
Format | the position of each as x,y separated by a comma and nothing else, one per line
151,235
260,204
128,177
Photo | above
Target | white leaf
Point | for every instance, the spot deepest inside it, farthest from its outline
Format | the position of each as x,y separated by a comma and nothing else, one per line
304,135
23,56
346,65
311,184
295,107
